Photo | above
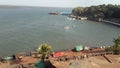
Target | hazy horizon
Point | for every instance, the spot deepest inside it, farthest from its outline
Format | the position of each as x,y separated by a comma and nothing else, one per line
58,3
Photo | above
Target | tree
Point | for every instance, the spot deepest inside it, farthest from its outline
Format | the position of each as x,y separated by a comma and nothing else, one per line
100,11
117,44
44,51
78,11
116,47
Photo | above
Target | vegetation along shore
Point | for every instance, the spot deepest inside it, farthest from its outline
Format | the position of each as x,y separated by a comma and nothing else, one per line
98,13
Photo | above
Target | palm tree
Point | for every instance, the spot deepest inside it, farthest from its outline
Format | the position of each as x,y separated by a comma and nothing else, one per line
44,51
117,43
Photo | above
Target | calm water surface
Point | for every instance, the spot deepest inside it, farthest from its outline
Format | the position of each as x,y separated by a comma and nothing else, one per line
23,29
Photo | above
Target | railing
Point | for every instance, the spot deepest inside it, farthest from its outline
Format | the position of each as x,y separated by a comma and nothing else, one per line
65,58
111,22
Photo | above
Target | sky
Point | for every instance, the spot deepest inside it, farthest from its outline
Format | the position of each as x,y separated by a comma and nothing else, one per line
58,3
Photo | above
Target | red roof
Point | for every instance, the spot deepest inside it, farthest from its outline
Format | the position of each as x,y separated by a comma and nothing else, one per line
58,54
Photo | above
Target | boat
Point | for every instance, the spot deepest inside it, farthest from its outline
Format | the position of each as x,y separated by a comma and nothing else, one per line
53,13
66,27
71,18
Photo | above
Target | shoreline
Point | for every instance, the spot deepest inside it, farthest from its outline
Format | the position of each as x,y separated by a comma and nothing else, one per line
112,21
68,56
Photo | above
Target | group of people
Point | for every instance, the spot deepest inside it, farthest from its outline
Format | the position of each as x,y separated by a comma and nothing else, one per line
66,58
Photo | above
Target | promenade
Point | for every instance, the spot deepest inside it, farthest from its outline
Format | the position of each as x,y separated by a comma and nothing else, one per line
114,23
96,58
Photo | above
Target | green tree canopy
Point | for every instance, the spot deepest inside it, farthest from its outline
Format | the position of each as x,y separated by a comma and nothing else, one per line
44,50
102,11
117,41
78,11
116,46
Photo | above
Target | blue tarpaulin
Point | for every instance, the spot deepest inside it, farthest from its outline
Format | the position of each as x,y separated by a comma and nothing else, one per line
40,64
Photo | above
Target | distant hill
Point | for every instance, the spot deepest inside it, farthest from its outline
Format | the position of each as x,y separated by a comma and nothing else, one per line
14,6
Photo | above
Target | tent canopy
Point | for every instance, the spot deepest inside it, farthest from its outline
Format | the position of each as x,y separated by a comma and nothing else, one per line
79,47
58,54
40,64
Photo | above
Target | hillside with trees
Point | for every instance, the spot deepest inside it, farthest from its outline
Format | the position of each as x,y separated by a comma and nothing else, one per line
109,12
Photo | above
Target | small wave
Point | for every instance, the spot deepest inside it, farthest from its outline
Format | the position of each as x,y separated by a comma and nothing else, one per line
66,27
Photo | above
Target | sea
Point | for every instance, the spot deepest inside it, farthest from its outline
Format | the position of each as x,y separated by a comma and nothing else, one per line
23,29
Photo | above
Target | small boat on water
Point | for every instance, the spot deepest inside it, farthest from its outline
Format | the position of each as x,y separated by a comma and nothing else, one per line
71,18
66,27
53,13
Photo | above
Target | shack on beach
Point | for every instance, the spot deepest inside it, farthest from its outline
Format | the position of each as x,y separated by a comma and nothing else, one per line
58,54
79,48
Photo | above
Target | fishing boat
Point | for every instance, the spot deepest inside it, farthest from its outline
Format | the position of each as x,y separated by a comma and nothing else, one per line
53,13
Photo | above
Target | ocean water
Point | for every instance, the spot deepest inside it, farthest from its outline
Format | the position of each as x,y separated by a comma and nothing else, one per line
24,29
